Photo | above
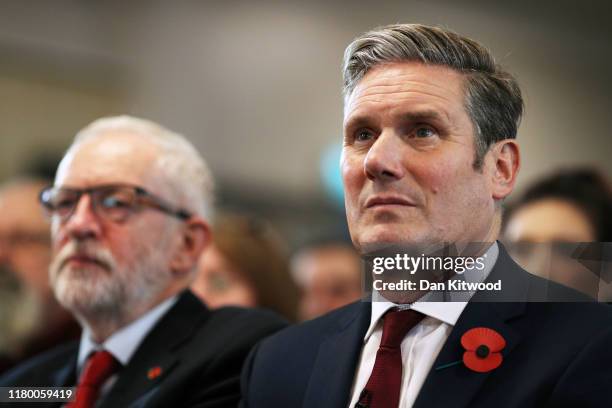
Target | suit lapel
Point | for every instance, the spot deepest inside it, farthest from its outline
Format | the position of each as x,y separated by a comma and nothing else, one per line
459,383
336,361
65,376
156,357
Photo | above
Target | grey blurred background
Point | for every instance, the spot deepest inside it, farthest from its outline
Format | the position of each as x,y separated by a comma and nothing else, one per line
256,85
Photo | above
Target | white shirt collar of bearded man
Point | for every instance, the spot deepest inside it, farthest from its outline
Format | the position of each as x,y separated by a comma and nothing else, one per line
123,343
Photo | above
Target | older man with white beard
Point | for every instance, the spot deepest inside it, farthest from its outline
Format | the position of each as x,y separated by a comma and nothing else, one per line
129,211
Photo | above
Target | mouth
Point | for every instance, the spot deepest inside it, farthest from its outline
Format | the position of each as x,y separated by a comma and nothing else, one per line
80,260
388,201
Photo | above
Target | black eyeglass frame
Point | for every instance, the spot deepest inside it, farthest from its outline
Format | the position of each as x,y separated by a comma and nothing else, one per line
143,199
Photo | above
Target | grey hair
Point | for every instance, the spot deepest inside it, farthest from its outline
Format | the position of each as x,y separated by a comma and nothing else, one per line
188,176
493,97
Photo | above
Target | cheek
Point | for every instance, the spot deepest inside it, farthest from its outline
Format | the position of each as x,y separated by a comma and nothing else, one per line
58,237
452,186
436,177
128,246
353,177
123,253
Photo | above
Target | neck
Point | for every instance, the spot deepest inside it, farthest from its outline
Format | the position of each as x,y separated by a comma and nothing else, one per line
103,325
493,233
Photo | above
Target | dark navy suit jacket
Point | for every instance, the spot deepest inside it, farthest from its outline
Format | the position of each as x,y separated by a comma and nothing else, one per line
556,354
199,352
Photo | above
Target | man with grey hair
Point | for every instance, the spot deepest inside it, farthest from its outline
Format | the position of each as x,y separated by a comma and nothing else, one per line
128,212
429,153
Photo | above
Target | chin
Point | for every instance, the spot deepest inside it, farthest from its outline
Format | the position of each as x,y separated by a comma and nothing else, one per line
80,293
384,236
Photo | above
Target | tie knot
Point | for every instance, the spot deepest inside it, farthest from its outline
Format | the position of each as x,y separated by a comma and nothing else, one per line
99,367
396,324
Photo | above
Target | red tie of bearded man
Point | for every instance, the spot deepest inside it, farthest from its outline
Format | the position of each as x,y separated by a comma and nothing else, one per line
383,387
100,366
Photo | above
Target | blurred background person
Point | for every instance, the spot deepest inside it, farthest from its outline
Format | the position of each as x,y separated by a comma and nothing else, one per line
546,224
246,265
31,320
328,273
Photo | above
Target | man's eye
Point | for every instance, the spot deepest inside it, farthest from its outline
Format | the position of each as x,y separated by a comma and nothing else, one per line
115,202
424,132
363,136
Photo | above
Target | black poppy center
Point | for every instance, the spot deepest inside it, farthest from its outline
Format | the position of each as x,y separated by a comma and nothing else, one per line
482,351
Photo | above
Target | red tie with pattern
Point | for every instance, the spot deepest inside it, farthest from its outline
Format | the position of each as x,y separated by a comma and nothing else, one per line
383,387
100,366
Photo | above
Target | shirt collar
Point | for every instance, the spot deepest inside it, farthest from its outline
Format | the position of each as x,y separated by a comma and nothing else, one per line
123,343
447,312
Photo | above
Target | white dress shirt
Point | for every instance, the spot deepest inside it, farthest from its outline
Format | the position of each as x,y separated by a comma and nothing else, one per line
423,343
123,343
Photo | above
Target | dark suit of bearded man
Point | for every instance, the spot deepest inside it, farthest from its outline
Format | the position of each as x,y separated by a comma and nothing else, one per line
192,357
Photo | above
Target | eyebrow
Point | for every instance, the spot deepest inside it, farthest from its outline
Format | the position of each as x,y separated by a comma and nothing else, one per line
423,116
416,116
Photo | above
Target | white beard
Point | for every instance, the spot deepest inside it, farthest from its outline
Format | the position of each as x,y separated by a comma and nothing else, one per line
108,291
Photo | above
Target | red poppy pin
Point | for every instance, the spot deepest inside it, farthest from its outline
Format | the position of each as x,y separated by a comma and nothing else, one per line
154,372
483,348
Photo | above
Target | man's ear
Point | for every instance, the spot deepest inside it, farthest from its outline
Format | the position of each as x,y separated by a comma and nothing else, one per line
195,236
504,162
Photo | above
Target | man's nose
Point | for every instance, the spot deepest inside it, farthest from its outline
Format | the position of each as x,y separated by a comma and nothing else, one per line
83,223
384,160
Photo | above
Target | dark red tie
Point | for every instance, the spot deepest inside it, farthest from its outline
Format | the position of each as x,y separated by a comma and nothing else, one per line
383,387
100,366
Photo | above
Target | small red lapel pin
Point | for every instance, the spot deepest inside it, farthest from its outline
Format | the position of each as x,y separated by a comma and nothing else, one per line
483,348
154,372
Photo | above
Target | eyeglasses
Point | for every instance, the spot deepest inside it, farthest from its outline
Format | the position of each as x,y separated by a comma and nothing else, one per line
116,202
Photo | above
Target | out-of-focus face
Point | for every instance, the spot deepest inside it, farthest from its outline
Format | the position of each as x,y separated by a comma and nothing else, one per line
549,220
328,277
219,283
407,162
541,234
106,268
25,253
24,237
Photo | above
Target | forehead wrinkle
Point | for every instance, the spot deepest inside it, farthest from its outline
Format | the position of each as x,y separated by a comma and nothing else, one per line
420,74
407,87
411,83
412,106
400,97
402,94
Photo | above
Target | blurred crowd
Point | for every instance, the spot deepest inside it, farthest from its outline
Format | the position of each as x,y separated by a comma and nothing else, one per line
547,229
560,228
